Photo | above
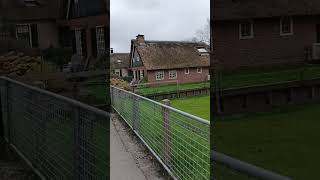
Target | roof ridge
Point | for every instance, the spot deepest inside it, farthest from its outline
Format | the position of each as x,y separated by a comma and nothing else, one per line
167,41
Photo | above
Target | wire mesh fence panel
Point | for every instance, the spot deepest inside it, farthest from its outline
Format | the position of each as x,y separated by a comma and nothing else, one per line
62,138
179,140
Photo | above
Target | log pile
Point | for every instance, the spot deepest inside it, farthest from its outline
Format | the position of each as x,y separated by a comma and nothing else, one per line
16,63
120,83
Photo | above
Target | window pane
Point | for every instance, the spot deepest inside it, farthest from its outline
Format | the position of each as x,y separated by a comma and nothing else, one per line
246,29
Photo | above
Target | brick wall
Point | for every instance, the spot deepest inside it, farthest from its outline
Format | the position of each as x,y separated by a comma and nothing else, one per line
193,75
267,47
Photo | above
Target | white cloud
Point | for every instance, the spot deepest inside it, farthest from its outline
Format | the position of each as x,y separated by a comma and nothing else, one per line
156,19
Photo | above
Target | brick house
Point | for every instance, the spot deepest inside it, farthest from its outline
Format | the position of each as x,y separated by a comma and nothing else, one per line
88,22
119,64
34,22
256,33
163,61
80,24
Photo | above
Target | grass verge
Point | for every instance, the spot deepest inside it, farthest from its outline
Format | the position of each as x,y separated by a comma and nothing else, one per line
283,141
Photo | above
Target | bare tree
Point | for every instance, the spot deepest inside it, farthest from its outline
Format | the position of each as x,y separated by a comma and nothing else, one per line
203,34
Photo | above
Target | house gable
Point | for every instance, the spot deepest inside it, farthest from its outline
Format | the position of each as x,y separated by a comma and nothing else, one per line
136,60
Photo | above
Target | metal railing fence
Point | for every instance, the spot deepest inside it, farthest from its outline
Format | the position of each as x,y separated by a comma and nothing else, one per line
180,141
227,168
58,137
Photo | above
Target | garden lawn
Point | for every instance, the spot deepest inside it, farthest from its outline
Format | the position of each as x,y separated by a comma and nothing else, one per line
284,141
171,88
198,106
267,75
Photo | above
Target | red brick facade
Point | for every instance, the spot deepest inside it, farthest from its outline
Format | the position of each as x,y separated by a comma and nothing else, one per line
267,47
193,75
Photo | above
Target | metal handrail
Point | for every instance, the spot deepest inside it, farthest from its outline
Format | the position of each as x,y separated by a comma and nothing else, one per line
59,97
245,168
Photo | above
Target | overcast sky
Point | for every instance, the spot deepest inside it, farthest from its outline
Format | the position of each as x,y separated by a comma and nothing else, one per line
156,19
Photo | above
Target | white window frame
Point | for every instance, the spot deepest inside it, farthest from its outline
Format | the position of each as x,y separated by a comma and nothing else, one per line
200,70
117,72
186,71
79,48
100,40
173,72
141,74
291,27
158,73
251,29
29,30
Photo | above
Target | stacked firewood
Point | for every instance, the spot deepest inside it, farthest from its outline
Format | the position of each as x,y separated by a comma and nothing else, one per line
17,63
120,83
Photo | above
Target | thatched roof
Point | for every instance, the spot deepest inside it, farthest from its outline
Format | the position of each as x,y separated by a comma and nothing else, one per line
119,60
244,9
172,54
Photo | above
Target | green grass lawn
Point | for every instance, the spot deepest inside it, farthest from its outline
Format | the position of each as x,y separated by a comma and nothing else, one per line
198,106
284,141
170,88
263,75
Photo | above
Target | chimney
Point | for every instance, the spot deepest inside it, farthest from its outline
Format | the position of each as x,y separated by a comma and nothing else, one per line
111,50
140,40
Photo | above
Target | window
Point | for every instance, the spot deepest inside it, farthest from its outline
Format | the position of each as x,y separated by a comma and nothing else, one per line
286,26
101,45
186,71
117,72
23,33
141,74
160,75
137,59
173,74
78,42
199,70
246,30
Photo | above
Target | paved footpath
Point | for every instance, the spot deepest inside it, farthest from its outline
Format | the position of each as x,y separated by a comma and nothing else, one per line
123,165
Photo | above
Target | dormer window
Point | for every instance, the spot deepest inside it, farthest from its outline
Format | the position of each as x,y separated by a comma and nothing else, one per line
203,51
119,61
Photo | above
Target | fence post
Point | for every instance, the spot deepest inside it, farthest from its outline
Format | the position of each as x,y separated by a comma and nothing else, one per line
135,113
167,132
5,109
